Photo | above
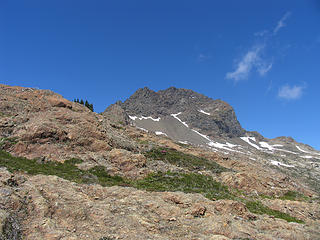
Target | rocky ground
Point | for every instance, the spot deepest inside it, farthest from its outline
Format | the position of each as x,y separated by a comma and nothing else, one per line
124,183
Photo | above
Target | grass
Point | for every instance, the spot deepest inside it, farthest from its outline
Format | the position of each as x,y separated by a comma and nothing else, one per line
144,142
258,208
106,179
180,159
66,170
169,181
293,196
290,195
184,182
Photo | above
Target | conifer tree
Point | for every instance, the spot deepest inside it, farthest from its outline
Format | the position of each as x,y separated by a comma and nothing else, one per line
91,107
81,102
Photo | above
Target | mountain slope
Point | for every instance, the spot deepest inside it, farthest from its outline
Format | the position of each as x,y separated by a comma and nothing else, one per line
188,117
94,176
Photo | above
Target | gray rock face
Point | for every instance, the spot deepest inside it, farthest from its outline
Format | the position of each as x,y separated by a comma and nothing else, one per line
211,117
116,114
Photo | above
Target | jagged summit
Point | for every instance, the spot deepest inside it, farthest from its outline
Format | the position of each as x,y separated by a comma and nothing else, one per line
212,117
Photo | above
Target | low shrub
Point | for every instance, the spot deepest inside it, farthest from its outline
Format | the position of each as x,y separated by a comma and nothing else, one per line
181,159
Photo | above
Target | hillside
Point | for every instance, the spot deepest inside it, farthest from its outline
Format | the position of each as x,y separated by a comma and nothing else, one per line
188,117
69,173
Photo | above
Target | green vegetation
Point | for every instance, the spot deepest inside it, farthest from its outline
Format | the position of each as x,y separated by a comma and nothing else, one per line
290,195
258,208
144,142
105,179
66,170
293,196
169,181
180,159
85,103
184,182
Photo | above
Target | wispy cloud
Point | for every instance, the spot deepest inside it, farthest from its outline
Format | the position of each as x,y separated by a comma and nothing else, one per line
281,23
261,33
291,93
203,57
252,61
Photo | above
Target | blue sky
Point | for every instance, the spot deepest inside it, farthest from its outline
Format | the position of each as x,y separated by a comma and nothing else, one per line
262,57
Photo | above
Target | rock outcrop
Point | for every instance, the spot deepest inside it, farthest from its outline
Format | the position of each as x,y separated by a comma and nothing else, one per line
49,207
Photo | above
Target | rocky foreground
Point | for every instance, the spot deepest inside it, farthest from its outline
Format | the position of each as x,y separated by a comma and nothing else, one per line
69,173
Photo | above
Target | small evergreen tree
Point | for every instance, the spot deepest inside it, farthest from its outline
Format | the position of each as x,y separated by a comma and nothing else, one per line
86,103
91,107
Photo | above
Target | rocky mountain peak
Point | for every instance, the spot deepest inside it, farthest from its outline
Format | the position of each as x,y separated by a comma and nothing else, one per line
142,93
212,117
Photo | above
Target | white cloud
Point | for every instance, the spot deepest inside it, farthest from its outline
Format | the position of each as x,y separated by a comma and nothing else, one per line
252,60
203,57
263,67
281,23
291,93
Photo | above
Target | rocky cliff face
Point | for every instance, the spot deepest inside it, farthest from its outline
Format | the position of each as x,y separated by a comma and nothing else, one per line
212,117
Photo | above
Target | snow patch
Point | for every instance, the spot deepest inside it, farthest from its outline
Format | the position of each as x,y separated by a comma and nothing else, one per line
142,117
287,151
175,116
247,140
133,117
160,133
202,135
183,142
145,130
153,119
277,145
204,112
305,151
308,157
227,146
276,163
266,145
